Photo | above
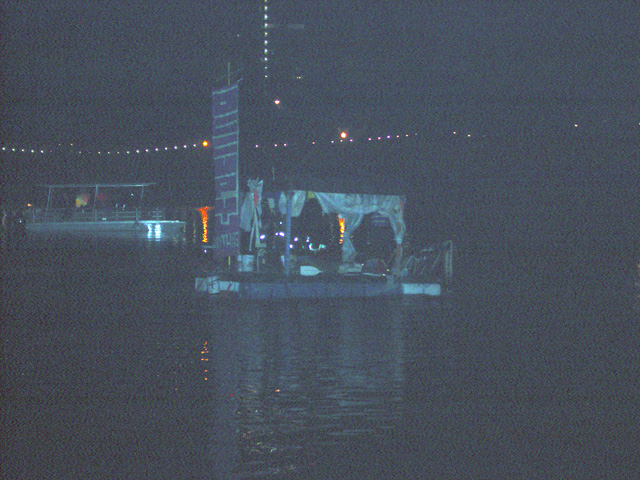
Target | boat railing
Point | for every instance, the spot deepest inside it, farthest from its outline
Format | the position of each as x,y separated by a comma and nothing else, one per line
433,260
57,215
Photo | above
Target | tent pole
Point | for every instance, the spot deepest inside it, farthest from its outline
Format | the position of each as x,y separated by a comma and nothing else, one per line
287,237
46,212
139,213
95,197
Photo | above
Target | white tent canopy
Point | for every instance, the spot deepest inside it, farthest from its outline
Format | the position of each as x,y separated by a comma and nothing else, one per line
352,207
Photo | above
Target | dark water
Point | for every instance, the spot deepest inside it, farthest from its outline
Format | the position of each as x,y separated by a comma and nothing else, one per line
113,368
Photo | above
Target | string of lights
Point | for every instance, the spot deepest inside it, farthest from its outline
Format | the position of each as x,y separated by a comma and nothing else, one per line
344,139
73,149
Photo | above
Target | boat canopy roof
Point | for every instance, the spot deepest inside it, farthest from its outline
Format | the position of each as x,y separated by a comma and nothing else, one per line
103,185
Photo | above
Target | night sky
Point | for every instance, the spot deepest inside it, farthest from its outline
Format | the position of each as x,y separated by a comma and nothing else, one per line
129,75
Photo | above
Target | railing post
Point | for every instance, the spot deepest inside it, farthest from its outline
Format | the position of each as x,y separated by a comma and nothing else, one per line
448,262
287,237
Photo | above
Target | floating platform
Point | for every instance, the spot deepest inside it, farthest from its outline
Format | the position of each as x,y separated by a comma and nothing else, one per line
253,286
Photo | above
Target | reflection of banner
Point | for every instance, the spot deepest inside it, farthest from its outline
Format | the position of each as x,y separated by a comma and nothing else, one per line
226,227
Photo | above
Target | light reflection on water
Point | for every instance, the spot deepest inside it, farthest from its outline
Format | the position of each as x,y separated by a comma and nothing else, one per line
293,381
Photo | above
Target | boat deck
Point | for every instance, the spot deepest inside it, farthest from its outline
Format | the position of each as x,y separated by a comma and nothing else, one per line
254,286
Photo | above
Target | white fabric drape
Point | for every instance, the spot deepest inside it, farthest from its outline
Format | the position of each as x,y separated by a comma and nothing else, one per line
251,213
353,207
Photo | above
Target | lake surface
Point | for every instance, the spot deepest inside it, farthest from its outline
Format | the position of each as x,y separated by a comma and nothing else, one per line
112,367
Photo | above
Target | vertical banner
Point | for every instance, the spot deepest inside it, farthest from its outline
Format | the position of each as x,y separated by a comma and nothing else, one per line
226,129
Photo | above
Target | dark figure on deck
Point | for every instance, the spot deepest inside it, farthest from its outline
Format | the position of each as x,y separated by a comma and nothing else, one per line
18,226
